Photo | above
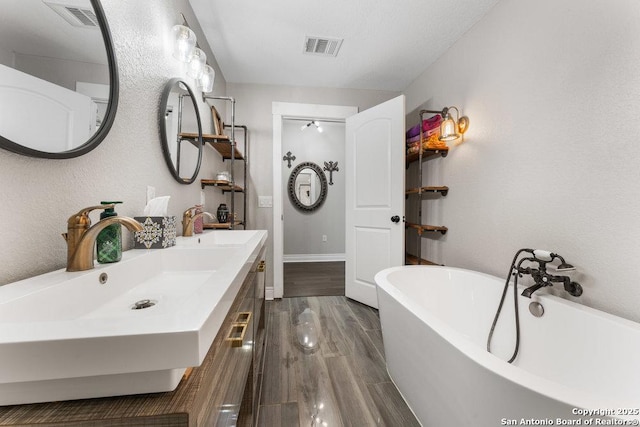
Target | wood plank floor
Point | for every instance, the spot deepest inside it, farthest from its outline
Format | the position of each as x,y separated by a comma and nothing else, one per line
324,366
309,279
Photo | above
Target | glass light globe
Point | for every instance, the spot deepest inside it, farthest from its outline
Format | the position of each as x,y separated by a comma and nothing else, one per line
197,63
205,82
448,131
184,42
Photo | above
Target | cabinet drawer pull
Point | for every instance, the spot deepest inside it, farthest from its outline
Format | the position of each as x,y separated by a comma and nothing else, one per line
236,334
243,317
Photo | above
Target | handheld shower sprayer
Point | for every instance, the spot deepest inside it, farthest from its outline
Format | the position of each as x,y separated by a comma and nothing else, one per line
548,256
564,266
542,255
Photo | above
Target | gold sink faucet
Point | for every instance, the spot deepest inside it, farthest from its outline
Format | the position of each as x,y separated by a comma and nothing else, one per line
188,218
81,237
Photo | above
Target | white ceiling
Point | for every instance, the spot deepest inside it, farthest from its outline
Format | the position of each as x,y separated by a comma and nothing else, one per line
387,43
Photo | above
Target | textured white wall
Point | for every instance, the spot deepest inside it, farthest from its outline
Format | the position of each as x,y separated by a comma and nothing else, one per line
39,195
551,159
254,110
303,231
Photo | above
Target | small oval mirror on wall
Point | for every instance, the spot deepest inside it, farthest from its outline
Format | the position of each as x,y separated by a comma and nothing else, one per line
58,77
181,131
307,187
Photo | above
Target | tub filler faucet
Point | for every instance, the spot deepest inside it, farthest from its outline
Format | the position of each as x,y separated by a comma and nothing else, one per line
542,278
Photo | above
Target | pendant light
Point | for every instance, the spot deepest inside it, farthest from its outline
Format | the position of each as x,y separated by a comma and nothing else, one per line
205,82
197,63
184,42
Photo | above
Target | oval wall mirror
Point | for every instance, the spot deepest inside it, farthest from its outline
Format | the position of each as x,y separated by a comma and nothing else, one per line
58,77
307,187
181,131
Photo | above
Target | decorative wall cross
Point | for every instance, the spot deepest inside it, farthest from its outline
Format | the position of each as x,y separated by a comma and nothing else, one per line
331,167
289,158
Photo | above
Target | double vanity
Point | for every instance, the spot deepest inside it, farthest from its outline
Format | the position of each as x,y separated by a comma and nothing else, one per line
176,334
164,337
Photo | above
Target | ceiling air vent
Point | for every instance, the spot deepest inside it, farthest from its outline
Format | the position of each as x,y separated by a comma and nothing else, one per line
75,15
322,46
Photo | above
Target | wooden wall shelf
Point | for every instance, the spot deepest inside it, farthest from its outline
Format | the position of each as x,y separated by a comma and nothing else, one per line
416,186
224,148
223,185
421,228
422,190
205,136
221,143
219,226
426,155
192,138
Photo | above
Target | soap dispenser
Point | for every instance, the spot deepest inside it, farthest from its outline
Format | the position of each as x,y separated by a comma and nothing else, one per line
109,242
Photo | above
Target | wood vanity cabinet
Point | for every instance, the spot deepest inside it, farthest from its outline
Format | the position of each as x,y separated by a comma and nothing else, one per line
239,406
222,391
251,400
234,401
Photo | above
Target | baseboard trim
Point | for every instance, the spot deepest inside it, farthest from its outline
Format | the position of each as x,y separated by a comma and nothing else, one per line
269,294
313,257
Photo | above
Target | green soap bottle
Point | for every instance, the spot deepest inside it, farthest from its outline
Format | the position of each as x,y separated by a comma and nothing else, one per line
109,242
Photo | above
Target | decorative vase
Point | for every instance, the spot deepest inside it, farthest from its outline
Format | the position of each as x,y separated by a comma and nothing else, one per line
223,213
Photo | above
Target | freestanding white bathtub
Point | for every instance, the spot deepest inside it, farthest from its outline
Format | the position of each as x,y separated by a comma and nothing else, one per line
576,365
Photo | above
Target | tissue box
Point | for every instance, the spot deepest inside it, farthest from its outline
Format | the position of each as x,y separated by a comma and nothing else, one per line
159,232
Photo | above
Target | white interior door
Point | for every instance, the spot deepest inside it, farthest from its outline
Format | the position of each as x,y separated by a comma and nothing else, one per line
375,196
40,114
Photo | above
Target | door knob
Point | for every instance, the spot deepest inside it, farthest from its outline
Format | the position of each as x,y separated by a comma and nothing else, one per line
395,219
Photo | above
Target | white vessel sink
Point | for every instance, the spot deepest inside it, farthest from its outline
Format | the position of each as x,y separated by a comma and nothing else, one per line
68,336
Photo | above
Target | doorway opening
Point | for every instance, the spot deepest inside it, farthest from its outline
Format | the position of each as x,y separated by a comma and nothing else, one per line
314,206
295,116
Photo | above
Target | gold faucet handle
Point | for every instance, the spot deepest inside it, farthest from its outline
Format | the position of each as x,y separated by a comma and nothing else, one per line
81,219
189,212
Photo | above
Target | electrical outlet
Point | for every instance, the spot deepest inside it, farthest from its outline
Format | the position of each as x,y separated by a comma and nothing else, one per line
324,237
265,201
